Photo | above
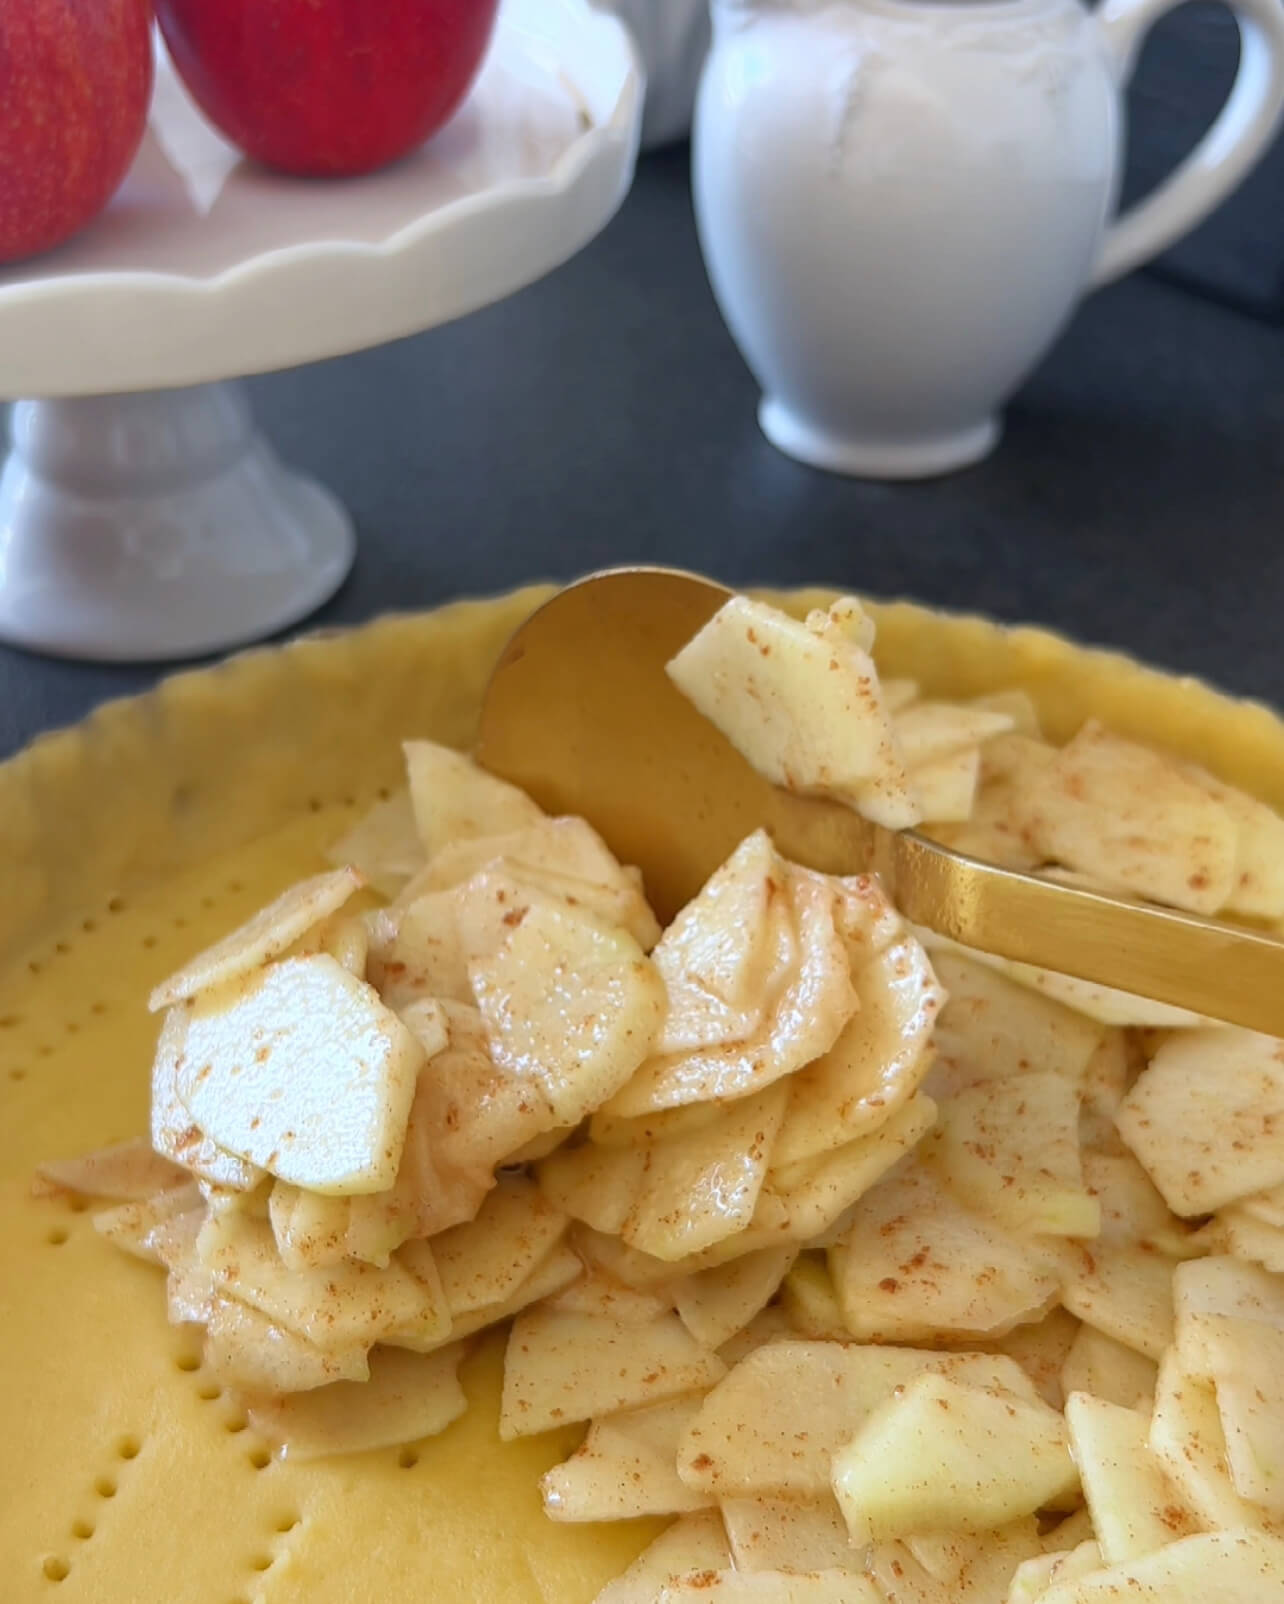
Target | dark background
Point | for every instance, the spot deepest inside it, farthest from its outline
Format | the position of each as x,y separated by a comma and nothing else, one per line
603,415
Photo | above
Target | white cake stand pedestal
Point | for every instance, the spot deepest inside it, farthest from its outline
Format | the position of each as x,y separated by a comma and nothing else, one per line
142,514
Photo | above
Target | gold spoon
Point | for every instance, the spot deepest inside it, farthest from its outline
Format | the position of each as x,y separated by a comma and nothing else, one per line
580,713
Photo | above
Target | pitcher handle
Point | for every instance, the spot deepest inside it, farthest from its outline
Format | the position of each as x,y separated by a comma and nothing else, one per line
1223,158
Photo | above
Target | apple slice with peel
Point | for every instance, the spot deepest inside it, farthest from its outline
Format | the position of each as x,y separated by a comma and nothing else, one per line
301,1069
570,1004
1240,1567
407,1396
560,1368
944,1456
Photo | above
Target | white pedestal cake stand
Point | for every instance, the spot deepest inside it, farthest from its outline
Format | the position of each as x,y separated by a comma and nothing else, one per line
142,516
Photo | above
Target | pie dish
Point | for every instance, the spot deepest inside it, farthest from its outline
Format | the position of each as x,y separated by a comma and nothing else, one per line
136,839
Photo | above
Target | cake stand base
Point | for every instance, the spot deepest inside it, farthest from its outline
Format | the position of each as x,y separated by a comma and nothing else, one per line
157,525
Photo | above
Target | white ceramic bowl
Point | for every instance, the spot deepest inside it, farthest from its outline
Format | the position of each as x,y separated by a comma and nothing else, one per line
673,39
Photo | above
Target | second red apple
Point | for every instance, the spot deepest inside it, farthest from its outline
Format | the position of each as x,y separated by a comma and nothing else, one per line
327,88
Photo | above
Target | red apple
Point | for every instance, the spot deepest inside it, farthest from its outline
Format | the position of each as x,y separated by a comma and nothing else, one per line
75,85
327,88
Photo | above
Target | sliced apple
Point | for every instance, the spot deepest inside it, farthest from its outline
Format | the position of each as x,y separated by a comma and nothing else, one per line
802,703
715,1304
571,1004
454,800
1010,1148
1210,1568
1187,1439
130,1226
128,1172
1127,815
246,1350
693,1543
724,956
476,1112
817,1192
486,1260
1206,1118
625,1467
1035,1576
407,1396
1042,1349
1230,1331
840,1586
975,1565
301,1069
335,1307
560,1368
174,1133
811,1007
942,1455
1135,1507
778,1534
1124,1292
564,859
991,1028
915,1264
877,1062
810,1302
264,937
383,846
703,1187
1099,1365
771,1427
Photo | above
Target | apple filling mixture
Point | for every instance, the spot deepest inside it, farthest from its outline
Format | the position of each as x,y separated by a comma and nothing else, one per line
897,1274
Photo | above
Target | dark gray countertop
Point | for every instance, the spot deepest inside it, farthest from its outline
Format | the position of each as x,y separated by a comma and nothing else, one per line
603,415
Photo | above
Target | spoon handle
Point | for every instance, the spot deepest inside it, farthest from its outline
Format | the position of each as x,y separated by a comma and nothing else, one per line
1225,971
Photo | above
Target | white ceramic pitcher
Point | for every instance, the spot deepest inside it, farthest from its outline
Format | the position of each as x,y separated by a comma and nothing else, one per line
900,202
